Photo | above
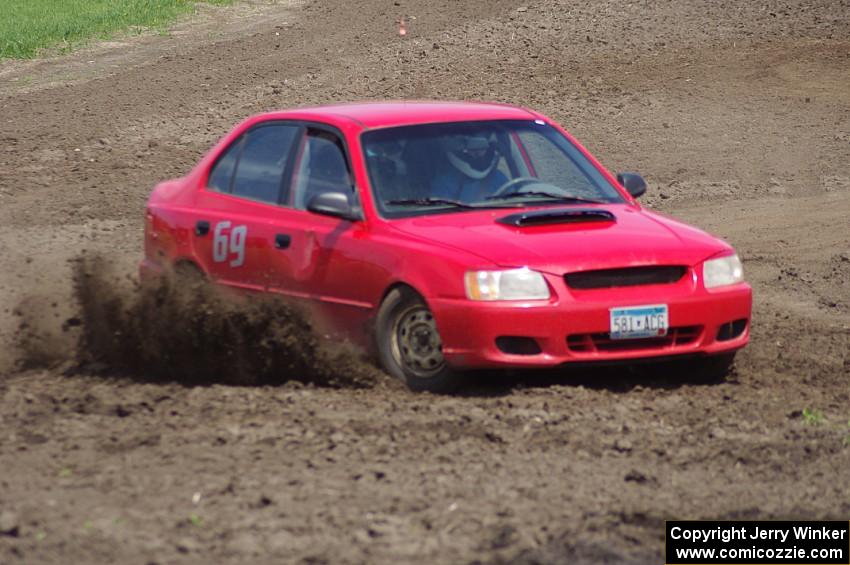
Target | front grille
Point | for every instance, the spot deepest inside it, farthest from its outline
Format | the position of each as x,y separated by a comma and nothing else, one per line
631,276
602,342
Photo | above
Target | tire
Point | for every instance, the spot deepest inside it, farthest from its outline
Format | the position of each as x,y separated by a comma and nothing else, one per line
409,346
708,369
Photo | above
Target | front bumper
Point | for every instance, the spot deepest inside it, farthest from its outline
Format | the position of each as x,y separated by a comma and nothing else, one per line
574,328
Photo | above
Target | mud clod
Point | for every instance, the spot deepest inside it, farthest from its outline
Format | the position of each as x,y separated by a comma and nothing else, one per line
9,524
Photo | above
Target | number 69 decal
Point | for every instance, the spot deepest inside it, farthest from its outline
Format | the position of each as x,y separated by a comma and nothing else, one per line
230,244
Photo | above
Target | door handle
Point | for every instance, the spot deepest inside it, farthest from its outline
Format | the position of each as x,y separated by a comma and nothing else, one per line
282,241
202,228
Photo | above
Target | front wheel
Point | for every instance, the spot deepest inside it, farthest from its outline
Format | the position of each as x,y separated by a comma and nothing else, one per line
714,368
705,370
409,345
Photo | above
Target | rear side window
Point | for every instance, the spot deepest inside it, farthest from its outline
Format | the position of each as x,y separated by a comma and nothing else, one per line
222,173
259,170
253,166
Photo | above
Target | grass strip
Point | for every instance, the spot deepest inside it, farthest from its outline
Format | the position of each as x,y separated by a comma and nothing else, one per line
28,26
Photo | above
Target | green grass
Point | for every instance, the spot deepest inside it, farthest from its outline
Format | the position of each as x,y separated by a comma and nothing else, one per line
812,416
27,26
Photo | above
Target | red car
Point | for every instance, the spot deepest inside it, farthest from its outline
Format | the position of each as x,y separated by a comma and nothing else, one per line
451,236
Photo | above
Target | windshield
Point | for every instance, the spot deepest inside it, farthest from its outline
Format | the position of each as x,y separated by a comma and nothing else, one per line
437,168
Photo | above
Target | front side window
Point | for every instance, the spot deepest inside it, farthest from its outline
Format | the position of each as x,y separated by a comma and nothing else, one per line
436,168
321,167
253,166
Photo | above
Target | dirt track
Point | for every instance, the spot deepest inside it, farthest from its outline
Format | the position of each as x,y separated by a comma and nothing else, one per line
738,113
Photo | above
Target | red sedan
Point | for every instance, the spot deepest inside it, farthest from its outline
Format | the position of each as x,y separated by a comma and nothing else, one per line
451,236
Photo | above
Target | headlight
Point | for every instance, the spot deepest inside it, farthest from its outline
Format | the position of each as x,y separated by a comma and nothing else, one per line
516,284
722,271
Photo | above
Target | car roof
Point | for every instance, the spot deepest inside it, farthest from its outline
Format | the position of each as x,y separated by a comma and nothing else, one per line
389,114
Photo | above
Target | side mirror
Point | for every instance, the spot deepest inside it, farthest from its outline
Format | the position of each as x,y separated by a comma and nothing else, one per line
633,182
333,204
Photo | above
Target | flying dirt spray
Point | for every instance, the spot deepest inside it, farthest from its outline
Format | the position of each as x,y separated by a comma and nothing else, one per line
194,333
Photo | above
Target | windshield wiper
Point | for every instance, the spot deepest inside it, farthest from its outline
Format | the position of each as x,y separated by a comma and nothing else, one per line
440,202
429,202
545,194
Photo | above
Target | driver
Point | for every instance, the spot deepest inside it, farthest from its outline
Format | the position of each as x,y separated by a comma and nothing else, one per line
469,172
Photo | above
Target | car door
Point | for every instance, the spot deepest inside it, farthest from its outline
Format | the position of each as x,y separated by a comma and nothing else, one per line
328,260
234,232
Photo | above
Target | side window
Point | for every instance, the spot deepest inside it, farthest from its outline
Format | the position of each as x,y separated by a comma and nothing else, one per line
259,171
222,172
321,167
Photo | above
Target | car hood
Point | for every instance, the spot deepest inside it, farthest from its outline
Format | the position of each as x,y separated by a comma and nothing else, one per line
634,237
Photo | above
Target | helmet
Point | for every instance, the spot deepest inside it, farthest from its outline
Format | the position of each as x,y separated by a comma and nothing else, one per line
474,155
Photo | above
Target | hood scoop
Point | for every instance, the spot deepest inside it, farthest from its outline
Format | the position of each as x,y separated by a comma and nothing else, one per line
563,216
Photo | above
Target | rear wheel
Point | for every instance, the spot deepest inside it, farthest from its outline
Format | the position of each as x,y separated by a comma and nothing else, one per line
409,345
189,272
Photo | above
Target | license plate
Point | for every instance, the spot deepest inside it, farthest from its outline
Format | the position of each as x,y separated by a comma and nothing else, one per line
639,321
